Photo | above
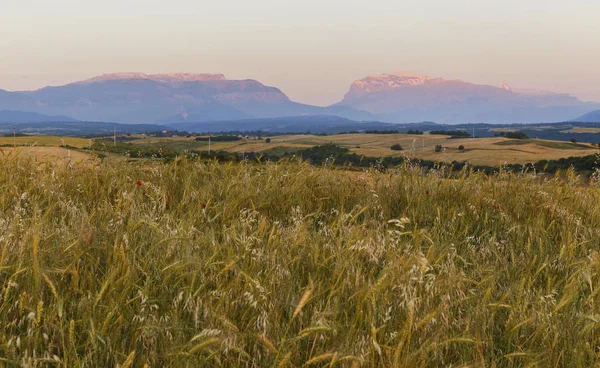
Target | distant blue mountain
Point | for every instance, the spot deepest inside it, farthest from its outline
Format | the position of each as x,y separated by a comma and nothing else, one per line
291,124
78,128
407,97
590,117
396,98
164,98
18,117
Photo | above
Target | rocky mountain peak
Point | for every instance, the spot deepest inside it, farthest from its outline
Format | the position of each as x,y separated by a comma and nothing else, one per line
165,78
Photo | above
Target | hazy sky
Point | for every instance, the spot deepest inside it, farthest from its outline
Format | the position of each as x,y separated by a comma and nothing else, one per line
311,49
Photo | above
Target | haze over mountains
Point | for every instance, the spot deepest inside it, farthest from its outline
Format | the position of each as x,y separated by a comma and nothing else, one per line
591,117
166,98
294,124
405,97
18,117
191,98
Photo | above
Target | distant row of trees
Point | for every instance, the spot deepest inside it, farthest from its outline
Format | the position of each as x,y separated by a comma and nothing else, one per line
452,133
219,138
391,131
512,135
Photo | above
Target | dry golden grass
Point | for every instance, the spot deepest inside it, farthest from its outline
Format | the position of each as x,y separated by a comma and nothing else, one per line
285,264
48,154
533,127
478,151
582,130
260,146
45,140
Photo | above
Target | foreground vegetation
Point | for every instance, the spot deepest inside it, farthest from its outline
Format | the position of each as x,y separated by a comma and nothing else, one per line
199,263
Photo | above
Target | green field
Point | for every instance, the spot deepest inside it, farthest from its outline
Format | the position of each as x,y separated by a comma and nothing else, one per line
44,140
549,144
479,151
196,263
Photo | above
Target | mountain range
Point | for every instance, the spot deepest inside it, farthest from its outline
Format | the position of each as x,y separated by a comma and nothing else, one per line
288,124
18,117
403,97
192,98
163,98
591,117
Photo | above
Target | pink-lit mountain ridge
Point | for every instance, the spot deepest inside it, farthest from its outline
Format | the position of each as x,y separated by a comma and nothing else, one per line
137,97
162,98
405,97
394,97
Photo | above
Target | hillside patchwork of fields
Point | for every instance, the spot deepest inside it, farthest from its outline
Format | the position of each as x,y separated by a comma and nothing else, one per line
490,152
478,151
44,140
45,153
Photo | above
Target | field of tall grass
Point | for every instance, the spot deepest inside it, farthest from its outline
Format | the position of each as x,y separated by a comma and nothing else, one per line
196,263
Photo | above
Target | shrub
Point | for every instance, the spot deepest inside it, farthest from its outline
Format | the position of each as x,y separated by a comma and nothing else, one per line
390,131
461,148
438,148
268,140
396,147
516,135
452,133
219,138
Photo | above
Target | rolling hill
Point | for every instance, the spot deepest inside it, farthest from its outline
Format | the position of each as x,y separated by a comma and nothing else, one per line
18,117
590,117
406,97
77,128
193,98
164,98
293,124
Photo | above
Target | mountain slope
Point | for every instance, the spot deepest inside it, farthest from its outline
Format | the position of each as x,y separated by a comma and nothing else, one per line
162,98
590,117
291,124
78,128
395,97
18,117
406,97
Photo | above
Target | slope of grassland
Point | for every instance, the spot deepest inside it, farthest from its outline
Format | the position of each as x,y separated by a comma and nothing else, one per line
45,153
478,151
44,140
208,264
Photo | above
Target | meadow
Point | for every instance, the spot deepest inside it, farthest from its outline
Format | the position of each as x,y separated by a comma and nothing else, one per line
491,152
478,151
44,140
199,263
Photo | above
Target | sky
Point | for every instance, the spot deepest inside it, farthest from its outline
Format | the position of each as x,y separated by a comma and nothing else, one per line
311,49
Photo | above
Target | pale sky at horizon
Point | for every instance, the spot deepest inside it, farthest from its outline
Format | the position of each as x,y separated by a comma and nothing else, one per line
312,50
